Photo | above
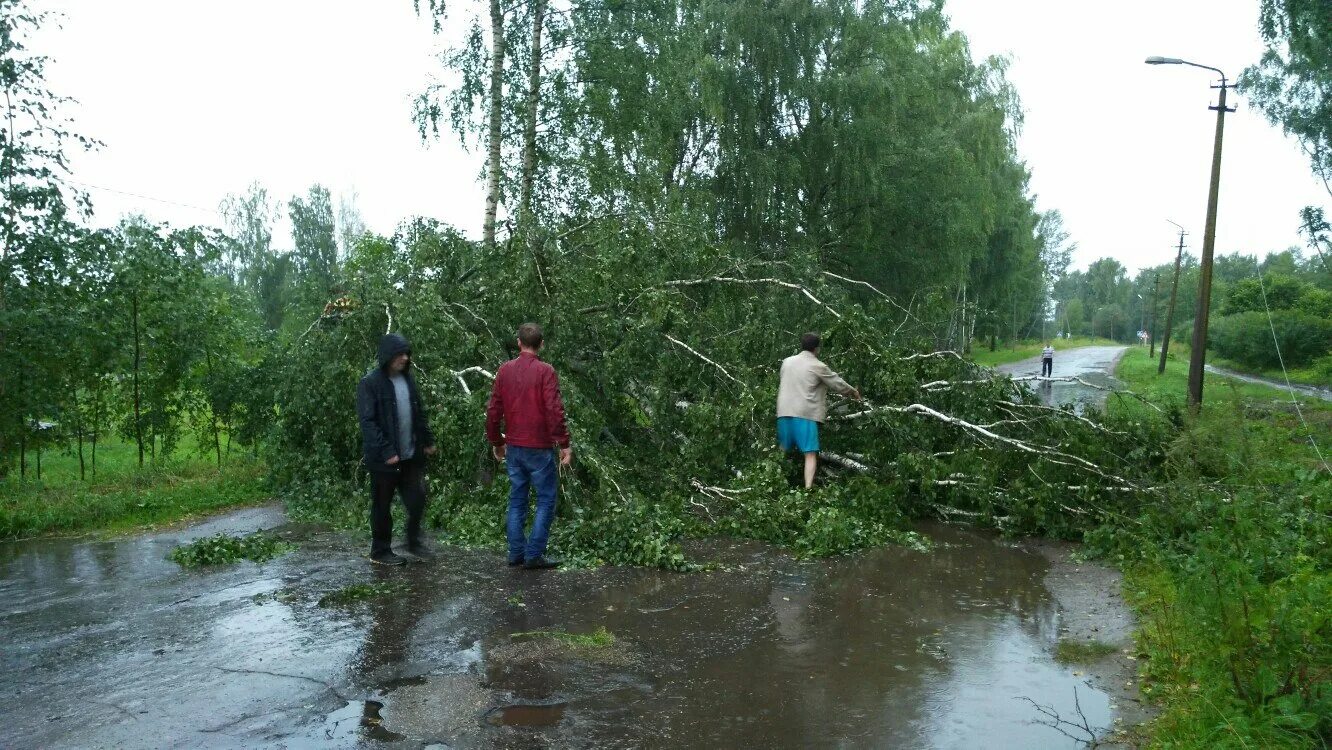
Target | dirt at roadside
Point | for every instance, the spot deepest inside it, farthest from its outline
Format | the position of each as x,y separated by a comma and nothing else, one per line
1092,608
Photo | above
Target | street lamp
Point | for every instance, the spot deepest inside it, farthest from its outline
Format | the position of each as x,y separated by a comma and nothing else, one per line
1198,356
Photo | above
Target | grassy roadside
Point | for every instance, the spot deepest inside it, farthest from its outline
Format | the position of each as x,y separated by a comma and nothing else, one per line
981,354
1231,572
124,497
1220,393
1300,375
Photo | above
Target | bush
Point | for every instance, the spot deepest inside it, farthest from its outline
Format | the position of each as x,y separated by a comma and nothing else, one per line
1246,338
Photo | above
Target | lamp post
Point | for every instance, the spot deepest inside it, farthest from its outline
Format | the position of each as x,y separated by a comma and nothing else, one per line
1198,356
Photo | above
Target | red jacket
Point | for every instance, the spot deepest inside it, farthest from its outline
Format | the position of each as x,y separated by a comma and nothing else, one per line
526,398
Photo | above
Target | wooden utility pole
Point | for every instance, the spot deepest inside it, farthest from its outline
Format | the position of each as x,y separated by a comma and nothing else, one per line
1198,356
1170,311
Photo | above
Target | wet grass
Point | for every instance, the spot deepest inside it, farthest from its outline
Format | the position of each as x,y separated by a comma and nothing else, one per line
599,638
361,592
981,354
1230,571
1299,375
223,549
1220,394
123,496
1082,652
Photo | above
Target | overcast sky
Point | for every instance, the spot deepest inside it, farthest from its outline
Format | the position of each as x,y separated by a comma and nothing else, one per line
196,100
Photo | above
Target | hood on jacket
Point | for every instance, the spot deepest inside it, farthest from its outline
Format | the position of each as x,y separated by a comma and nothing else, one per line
390,346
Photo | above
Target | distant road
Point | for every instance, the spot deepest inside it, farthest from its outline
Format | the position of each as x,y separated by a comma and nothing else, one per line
1303,390
1094,364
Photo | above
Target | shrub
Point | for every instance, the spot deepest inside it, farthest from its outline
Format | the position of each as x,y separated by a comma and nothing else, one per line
1246,338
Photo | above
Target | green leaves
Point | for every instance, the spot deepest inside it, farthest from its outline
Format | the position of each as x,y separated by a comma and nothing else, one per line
223,549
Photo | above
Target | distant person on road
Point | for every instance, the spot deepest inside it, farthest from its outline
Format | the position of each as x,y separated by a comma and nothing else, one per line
395,439
526,401
802,401
1047,360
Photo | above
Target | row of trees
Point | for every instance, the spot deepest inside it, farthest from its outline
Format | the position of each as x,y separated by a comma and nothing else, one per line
860,130
146,332
1105,301
861,135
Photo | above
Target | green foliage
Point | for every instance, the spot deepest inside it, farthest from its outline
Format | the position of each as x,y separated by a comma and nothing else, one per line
1282,293
1246,338
357,593
223,549
654,422
1231,571
1290,84
124,497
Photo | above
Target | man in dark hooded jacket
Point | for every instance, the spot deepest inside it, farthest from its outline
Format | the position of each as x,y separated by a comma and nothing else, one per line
396,439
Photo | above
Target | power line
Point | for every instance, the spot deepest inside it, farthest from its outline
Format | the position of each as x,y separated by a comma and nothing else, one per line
140,196
1289,388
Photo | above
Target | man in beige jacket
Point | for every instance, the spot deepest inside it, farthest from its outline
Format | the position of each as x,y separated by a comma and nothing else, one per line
802,401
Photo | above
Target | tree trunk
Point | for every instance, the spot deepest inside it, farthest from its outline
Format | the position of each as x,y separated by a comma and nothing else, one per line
138,416
212,409
5,275
530,126
78,430
496,117
23,449
97,415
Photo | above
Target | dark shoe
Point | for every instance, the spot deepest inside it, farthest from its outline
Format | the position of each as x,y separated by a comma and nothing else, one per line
515,562
421,552
536,563
388,558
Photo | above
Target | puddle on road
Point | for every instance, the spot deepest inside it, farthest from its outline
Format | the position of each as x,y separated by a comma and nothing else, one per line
358,720
527,715
887,648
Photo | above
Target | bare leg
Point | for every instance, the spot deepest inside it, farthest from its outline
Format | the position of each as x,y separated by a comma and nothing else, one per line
811,465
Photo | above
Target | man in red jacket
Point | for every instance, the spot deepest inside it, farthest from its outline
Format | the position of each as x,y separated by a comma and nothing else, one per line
526,399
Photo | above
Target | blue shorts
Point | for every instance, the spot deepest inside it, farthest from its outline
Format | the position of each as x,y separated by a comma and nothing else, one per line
798,433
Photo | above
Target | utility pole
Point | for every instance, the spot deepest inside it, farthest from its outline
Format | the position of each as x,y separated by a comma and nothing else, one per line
1198,356
1170,311
1199,353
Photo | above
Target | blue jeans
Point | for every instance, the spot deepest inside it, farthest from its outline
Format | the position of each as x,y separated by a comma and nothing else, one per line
530,467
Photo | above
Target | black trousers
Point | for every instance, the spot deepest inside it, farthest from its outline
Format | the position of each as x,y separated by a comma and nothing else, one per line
1047,368
408,481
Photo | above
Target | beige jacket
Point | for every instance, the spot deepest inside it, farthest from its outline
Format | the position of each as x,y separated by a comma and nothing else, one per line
804,388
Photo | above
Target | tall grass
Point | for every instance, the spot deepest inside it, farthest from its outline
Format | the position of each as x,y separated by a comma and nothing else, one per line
1231,570
122,495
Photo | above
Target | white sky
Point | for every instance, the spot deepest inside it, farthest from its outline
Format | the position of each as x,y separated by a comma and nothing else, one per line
196,100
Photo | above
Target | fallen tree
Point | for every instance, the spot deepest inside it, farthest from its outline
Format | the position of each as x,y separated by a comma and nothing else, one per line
667,349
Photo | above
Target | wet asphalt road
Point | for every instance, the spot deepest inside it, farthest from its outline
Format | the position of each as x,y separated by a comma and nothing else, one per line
1303,390
1094,364
108,644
